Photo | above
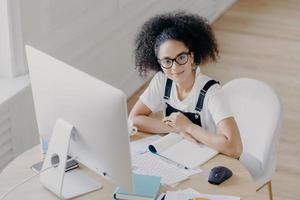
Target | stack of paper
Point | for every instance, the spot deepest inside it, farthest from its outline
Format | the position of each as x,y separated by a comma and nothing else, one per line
147,163
191,194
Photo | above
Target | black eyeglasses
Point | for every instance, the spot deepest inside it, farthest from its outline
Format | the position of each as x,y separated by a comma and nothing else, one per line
180,59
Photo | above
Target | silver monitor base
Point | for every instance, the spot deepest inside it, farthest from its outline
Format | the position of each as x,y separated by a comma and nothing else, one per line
65,185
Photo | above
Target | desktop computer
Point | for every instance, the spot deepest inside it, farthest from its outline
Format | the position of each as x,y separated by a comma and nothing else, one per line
83,117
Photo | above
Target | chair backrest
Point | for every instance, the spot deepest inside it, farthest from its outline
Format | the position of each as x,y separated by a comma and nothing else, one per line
257,111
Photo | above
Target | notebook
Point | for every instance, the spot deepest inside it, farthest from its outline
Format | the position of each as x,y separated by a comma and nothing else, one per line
179,150
144,188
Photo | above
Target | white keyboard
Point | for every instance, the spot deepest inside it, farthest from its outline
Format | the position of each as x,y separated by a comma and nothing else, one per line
151,164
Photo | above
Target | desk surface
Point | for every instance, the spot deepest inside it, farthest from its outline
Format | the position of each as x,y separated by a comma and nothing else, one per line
240,184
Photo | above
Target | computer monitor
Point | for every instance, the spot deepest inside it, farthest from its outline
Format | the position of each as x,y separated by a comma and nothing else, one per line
97,110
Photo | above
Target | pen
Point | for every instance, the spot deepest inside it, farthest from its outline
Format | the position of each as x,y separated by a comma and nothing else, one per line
172,161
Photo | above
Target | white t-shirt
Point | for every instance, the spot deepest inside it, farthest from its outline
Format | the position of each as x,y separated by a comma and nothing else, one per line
215,106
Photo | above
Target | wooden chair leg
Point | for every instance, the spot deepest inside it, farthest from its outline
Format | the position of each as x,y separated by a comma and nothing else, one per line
270,190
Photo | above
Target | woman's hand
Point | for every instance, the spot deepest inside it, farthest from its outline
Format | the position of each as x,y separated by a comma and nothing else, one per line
178,121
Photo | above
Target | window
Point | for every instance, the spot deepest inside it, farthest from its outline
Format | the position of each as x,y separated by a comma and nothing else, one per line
12,56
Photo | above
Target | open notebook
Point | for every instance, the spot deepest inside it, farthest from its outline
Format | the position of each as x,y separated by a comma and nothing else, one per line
175,148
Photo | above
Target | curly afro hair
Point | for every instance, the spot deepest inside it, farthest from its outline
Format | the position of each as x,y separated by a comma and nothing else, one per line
191,29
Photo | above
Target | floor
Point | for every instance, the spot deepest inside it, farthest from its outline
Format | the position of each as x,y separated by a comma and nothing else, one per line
261,39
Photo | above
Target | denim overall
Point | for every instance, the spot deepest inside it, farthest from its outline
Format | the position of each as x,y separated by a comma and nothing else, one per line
194,117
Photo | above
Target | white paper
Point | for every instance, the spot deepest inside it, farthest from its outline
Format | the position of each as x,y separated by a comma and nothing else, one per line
151,164
141,146
144,162
191,171
189,154
191,193
166,142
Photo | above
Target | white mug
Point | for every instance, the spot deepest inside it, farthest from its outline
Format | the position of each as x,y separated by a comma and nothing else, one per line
131,129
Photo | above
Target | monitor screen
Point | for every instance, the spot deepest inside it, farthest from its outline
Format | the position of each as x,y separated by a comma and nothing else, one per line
97,110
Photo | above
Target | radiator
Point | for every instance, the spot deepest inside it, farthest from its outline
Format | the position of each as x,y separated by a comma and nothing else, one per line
18,127
6,144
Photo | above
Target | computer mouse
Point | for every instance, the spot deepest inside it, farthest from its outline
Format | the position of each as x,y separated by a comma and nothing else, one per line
219,174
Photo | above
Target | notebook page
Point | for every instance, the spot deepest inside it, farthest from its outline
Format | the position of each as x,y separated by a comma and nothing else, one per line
165,142
141,146
189,154
151,164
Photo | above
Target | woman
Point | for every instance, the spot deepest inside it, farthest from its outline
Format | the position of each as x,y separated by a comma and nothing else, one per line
174,45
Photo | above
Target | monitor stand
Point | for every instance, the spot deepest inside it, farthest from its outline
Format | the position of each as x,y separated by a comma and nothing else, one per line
70,184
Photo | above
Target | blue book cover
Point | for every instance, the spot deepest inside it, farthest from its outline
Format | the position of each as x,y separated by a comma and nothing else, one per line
144,188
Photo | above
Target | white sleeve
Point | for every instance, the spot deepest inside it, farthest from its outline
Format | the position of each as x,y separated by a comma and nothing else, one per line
152,97
218,105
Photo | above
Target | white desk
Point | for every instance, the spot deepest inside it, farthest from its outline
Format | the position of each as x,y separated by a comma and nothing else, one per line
240,184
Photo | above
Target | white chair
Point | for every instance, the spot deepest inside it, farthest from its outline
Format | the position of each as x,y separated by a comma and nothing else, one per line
257,111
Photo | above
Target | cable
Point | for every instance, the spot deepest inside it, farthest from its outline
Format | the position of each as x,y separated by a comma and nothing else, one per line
28,179
24,181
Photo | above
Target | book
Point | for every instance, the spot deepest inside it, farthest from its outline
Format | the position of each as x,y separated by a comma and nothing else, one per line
144,188
175,148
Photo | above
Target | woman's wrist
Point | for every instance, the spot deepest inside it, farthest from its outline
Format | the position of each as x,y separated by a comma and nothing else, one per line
168,128
189,128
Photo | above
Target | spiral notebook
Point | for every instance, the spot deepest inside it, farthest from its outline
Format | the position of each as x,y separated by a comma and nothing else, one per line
177,149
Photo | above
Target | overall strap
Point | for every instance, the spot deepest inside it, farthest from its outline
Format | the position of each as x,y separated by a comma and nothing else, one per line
193,117
202,94
168,88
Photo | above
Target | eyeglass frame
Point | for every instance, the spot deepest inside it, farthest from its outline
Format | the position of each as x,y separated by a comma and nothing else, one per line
174,59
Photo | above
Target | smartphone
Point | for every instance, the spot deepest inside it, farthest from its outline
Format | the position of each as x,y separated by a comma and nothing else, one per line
72,164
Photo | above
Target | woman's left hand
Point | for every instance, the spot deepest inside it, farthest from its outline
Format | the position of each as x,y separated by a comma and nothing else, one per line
178,121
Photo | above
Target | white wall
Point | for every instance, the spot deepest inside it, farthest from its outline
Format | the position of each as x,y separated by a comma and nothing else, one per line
97,36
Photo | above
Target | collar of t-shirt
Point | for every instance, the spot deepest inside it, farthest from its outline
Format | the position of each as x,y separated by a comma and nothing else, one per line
191,98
